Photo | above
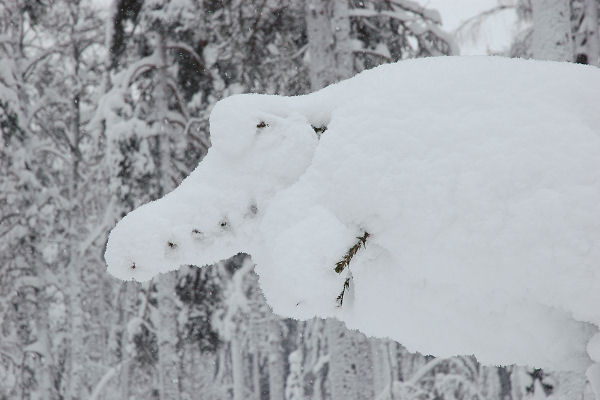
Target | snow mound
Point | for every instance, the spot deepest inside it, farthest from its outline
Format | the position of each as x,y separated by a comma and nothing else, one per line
477,179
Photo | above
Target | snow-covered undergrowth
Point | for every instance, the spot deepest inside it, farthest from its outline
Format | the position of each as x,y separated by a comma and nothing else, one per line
477,178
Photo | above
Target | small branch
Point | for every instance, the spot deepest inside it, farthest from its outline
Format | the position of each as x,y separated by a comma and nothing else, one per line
477,19
54,50
344,263
251,39
372,53
138,70
8,216
171,85
185,48
340,298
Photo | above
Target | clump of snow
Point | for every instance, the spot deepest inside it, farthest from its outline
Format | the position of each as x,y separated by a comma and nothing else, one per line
477,178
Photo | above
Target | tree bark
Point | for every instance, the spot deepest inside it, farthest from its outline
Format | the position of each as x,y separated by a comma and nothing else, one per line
592,32
74,267
350,369
167,307
276,370
329,48
552,38
237,365
168,361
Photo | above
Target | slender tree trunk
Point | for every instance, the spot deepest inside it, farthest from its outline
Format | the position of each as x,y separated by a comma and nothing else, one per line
45,378
76,387
77,350
350,372
320,43
592,32
34,378
168,360
127,306
237,365
340,25
255,370
276,372
552,38
314,350
97,327
294,388
383,375
364,358
329,47
163,133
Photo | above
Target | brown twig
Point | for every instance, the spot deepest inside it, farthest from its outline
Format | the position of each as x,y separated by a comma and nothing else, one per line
340,298
345,263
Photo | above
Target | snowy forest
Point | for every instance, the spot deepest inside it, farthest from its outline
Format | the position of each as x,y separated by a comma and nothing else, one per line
104,106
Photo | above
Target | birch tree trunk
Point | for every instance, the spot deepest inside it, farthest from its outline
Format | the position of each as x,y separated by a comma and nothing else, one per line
168,361
592,32
44,374
125,347
552,38
255,370
320,44
76,377
276,370
383,373
350,372
294,389
340,25
329,47
167,308
365,385
237,366
313,359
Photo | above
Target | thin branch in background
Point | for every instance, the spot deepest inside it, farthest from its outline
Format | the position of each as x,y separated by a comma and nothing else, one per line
251,39
471,26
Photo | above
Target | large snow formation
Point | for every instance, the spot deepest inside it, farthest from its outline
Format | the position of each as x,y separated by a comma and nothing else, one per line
477,178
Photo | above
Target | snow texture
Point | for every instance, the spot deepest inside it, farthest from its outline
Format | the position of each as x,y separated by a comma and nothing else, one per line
477,178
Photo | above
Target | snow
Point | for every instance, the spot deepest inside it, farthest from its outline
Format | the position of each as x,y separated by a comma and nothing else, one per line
477,178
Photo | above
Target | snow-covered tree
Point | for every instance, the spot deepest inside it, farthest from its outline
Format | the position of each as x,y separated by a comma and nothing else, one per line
52,49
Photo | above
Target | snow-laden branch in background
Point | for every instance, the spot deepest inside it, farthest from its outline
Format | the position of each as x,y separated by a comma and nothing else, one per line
418,20
477,178
108,375
181,46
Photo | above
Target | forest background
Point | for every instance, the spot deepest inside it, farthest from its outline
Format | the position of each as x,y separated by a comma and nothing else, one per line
103,108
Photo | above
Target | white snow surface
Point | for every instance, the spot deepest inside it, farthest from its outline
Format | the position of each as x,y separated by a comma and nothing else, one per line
478,179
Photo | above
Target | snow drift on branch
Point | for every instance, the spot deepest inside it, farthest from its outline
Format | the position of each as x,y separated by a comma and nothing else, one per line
477,179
